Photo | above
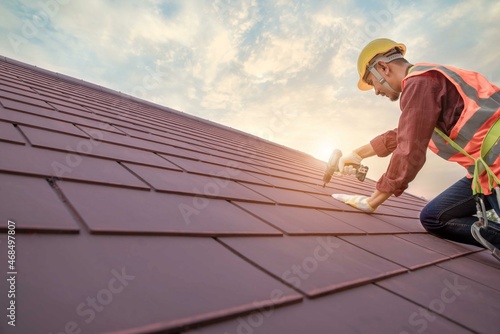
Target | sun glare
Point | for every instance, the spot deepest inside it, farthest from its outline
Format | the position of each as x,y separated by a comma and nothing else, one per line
323,149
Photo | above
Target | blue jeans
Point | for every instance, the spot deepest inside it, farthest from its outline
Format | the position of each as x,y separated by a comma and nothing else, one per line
450,215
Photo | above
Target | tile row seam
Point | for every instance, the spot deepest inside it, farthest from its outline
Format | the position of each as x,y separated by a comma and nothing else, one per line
446,258
467,252
260,268
257,217
469,278
25,137
122,164
423,306
67,204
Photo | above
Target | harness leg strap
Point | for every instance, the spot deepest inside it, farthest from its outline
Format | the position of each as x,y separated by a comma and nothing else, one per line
483,223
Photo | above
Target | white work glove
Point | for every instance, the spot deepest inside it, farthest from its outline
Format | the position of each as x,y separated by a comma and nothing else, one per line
356,201
351,158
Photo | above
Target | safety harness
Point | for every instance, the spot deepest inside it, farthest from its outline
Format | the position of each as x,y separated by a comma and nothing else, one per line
481,166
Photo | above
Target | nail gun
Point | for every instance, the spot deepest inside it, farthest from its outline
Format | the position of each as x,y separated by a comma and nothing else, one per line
333,167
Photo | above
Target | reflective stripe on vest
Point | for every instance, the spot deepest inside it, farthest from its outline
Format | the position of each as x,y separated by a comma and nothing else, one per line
481,110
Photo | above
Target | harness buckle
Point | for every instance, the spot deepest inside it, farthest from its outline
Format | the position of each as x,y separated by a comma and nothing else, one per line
483,223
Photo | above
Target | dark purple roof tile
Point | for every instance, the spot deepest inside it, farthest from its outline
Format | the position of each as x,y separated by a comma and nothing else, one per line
442,246
14,101
194,184
69,166
406,223
32,204
364,222
110,209
229,170
367,309
485,257
297,198
9,133
286,183
474,270
455,297
299,221
46,123
86,146
314,265
409,255
105,284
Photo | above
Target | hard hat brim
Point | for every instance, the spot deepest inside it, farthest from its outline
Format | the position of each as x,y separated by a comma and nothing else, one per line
362,85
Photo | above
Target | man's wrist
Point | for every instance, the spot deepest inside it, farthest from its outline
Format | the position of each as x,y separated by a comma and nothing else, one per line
365,151
377,198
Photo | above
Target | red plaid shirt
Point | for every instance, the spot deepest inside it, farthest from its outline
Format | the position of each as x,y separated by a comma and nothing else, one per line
427,101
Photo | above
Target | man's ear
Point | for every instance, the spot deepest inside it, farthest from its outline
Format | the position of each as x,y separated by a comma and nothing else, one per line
384,67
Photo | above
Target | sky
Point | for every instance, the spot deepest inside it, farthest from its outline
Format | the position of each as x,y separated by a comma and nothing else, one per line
281,70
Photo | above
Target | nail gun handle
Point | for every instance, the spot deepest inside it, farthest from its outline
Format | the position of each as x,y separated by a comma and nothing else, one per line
361,173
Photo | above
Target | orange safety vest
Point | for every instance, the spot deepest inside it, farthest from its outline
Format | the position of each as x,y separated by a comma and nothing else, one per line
481,111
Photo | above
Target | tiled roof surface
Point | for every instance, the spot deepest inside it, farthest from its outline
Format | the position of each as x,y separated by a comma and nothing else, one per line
135,218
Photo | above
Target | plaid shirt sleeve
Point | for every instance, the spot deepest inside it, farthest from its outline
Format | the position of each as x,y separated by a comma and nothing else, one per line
385,143
422,106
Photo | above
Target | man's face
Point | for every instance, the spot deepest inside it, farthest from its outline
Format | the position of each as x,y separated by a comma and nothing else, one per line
381,89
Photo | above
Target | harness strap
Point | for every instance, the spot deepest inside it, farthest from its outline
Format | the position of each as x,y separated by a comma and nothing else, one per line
489,141
491,138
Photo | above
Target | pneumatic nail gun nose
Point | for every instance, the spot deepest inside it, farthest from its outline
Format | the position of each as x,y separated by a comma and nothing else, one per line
333,167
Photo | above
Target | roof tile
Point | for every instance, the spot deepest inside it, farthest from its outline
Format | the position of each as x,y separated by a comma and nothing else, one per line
69,166
110,209
299,221
406,223
368,223
453,296
410,255
367,309
9,133
485,258
33,205
228,170
194,184
87,146
448,248
105,284
291,197
474,270
314,265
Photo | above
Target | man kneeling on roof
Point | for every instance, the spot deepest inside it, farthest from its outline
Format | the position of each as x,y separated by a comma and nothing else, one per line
455,113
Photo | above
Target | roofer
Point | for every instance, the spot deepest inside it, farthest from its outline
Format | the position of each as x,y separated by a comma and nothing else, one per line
455,113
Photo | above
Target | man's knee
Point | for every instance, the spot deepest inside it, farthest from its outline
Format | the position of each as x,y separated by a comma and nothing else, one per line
429,219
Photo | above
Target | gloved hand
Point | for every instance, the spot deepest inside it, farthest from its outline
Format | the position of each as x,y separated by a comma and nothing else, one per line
351,158
356,201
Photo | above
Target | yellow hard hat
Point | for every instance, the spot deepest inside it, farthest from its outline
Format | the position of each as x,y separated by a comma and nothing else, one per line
375,47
